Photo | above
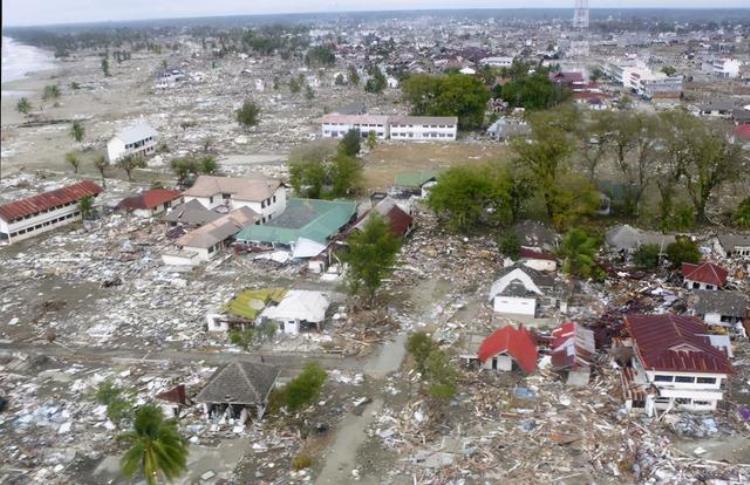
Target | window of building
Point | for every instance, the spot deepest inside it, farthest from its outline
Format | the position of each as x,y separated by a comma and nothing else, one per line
211,200
274,199
682,400
662,378
662,400
696,286
706,380
702,403
685,379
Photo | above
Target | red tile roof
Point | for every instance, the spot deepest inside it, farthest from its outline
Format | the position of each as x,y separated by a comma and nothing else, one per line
399,221
742,132
518,343
149,199
47,200
527,253
671,342
708,273
175,395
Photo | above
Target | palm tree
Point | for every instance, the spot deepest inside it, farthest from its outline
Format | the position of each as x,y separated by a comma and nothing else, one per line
23,106
73,160
86,206
77,131
100,163
155,446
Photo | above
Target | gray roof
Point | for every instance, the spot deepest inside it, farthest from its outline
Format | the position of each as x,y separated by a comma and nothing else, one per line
731,241
540,279
239,383
718,105
732,303
424,120
219,230
535,234
136,132
191,213
630,238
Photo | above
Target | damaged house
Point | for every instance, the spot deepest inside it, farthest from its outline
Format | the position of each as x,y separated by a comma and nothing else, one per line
263,195
508,348
733,245
298,311
235,389
29,217
703,276
573,350
397,219
520,290
671,363
205,242
189,215
151,202
628,239
243,309
726,309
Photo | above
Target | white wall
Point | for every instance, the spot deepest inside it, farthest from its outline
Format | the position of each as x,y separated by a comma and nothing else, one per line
698,285
338,130
515,305
434,132
540,264
272,209
116,149
68,213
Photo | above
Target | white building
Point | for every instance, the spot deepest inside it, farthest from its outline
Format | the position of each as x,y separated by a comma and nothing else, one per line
723,68
726,309
415,128
25,218
335,125
138,139
673,365
299,310
518,291
264,195
169,78
496,61
659,85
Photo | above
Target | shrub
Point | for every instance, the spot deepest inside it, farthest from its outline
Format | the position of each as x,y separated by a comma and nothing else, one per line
683,251
647,256
306,387
419,345
301,461
510,245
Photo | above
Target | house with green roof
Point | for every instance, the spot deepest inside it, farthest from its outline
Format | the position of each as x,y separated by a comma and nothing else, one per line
414,181
312,219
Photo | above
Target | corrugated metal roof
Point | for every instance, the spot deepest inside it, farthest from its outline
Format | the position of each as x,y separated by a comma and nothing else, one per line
572,346
518,343
47,200
674,343
136,132
149,199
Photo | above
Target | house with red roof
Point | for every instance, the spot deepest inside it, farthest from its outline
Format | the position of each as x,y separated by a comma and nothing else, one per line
151,202
703,276
509,347
29,217
674,364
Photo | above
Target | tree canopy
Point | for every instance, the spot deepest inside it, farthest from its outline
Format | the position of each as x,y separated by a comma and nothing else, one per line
248,114
530,88
447,95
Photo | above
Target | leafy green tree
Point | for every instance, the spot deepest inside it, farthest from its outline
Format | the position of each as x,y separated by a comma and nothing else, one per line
441,376
593,140
346,175
467,197
372,140
23,106
546,156
681,251
183,168
119,403
510,245
129,163
51,92
248,115
207,165
77,131
376,82
353,76
675,128
741,217
578,252
309,93
319,56
647,256
596,74
307,178
295,86
452,95
371,256
105,66
156,447
531,90
101,164
350,144
712,161
72,160
306,387
669,70
420,345
242,338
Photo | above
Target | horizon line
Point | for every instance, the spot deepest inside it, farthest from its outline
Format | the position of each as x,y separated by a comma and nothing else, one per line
344,12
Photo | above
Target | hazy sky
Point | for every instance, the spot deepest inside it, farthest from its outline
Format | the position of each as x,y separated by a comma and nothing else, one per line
39,12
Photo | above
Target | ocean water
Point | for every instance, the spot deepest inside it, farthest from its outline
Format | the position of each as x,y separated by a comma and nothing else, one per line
18,60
